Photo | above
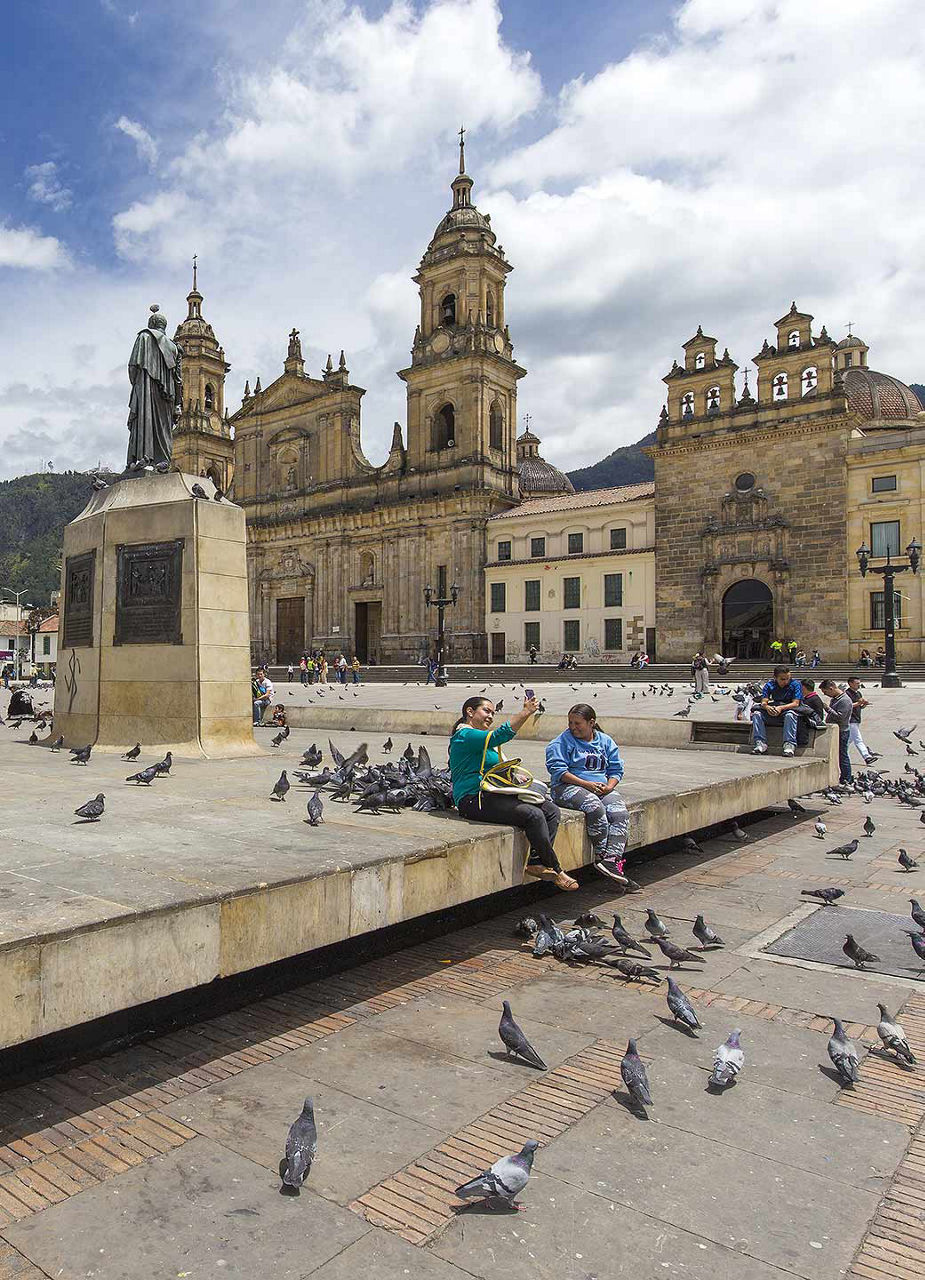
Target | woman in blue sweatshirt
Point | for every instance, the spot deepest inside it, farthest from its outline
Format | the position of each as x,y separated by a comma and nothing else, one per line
584,768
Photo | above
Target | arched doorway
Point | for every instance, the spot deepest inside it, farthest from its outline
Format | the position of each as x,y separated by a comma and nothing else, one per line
748,619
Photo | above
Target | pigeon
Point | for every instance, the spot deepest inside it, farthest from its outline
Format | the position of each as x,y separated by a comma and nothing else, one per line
907,863
505,1179
821,828
911,751
654,926
918,944
795,808
547,935
387,746
869,826
315,779
918,915
526,927
218,494
134,753
828,896
164,766
58,743
514,1040
683,713
893,1037
623,939
301,1148
145,776
280,737
280,787
92,811
198,491
845,850
832,797
315,809
844,1054
856,953
634,1076
81,754
589,921
630,969
499,704
904,734
728,1061
677,955
736,831
705,935
690,845
408,753
681,1008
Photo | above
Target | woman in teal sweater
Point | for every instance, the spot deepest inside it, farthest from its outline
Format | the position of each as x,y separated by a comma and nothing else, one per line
539,822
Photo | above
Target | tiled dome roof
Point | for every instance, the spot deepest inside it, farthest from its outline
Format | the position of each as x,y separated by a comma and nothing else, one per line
535,473
875,395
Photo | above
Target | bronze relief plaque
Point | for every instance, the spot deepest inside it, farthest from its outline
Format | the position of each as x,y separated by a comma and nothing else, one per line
79,582
148,588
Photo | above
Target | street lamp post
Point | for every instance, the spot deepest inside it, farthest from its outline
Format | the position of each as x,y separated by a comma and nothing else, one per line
442,602
914,551
17,660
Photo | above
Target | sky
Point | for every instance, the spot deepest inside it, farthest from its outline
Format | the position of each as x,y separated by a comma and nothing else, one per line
648,167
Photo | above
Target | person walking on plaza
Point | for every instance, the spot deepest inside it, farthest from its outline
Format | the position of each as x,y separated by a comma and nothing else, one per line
303,669
700,674
355,668
584,768
839,713
854,724
780,697
431,672
474,749
532,655
290,672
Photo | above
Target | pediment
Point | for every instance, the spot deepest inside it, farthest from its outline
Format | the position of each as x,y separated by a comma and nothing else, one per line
289,391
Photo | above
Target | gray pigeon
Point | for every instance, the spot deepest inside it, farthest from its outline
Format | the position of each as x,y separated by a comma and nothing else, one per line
547,935
624,940
301,1148
525,927
856,953
505,1179
198,491
632,970
80,755
844,1054
58,743
145,776
515,1041
728,1061
918,944
828,896
821,828
280,737
904,734
690,845
918,915
280,787
705,935
893,1037
677,955
635,1078
795,808
907,863
92,811
134,753
654,926
869,826
845,850
164,766
681,1008
315,809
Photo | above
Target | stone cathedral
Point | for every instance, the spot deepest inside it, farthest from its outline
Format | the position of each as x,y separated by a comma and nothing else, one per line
339,550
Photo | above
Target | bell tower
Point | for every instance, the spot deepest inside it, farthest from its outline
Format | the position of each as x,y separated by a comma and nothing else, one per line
462,383
202,443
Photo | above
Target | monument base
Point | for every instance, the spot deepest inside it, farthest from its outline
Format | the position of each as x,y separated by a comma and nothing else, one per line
154,644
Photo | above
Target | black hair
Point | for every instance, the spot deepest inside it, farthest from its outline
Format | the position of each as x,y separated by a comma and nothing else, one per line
469,705
780,671
808,684
585,711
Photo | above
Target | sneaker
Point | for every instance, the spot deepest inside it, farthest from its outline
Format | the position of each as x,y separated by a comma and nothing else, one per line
873,757
611,868
788,748
759,748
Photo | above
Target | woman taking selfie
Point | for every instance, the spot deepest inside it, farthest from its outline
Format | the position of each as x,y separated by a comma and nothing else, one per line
474,747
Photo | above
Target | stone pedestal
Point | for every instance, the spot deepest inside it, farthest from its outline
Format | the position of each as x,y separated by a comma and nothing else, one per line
154,645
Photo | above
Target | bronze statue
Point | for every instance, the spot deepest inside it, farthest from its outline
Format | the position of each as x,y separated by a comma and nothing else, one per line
157,396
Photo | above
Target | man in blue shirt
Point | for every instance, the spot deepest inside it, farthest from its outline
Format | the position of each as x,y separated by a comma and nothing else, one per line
779,697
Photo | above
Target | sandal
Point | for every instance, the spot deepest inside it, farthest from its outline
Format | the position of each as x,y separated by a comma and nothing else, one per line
564,881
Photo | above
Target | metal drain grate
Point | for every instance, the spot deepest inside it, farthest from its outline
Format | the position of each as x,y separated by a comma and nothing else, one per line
821,936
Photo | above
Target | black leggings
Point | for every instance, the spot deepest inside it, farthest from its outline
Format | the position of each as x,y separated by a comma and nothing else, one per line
540,822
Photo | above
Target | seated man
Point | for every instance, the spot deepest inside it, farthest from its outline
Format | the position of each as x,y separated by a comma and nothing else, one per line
780,697
810,712
262,694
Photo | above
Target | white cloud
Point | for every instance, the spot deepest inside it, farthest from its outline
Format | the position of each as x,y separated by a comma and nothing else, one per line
145,145
25,247
46,187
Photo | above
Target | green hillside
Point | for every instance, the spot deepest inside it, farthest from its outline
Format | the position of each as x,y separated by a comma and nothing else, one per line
33,512
628,465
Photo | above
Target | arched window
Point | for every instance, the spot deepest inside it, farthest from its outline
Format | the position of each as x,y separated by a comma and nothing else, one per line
448,309
712,400
444,435
495,427
780,387
209,400
793,339
687,404
489,309
808,380
367,568
213,474
700,360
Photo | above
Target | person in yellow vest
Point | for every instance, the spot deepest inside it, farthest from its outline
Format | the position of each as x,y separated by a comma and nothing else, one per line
777,650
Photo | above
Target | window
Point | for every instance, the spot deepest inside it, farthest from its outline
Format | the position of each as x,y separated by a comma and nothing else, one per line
46,644
687,404
779,386
808,380
448,309
571,635
613,590
849,359
712,400
441,581
495,427
531,635
745,482
538,547
504,550
489,309
877,610
576,544
883,484
613,633
209,399
884,538
617,539
793,339
532,596
444,432
571,593
498,597
700,360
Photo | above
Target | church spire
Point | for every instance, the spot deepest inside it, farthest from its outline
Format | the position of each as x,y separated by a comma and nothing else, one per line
194,297
462,184
462,149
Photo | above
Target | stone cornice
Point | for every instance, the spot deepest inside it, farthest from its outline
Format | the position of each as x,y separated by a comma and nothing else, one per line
795,428
583,555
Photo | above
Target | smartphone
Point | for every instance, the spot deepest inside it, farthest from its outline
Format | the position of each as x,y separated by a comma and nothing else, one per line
528,694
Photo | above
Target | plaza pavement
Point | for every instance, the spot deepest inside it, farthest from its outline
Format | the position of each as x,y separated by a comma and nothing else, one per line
161,1160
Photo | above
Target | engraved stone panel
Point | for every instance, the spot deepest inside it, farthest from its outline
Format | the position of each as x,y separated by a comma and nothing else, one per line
148,581
79,581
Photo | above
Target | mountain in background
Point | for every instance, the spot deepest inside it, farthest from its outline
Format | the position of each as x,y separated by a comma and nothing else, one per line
33,512
628,465
919,390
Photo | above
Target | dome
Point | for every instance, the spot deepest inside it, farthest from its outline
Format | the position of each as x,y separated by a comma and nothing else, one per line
874,396
536,475
851,341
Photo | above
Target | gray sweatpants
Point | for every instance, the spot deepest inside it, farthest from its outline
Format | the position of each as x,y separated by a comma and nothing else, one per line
606,818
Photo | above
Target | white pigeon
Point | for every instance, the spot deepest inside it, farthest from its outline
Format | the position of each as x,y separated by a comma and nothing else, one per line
728,1061
505,1179
893,1037
821,828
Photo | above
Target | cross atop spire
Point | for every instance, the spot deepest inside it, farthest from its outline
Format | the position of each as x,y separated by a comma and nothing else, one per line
462,149
195,256
850,323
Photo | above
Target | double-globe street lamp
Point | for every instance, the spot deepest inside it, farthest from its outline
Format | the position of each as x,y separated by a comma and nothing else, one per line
17,651
441,602
914,551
